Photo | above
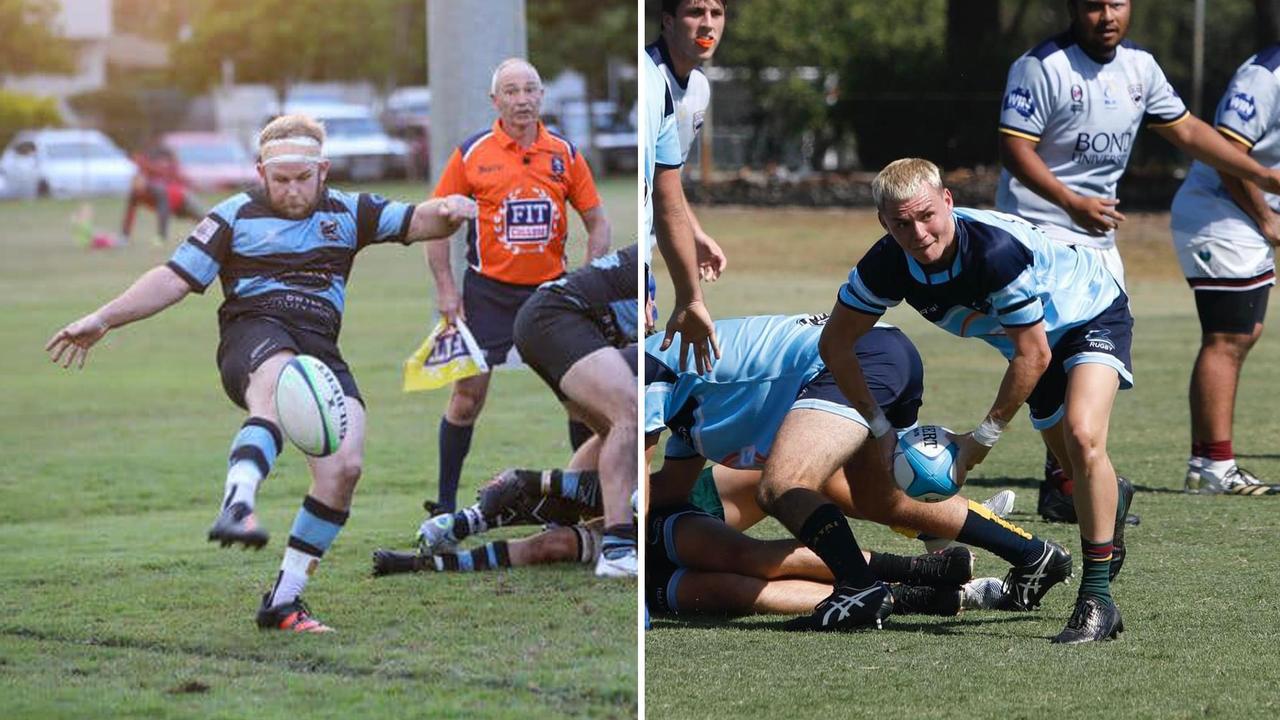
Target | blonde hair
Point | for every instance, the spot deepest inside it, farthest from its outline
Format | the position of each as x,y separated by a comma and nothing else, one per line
288,126
510,62
902,179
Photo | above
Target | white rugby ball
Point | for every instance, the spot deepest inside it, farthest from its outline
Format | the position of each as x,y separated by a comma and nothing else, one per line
924,463
311,406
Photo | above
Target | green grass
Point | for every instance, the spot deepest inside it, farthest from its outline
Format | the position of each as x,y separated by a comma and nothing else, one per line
1198,592
113,605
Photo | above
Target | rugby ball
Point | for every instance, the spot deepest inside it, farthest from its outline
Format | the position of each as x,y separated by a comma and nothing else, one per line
924,463
311,406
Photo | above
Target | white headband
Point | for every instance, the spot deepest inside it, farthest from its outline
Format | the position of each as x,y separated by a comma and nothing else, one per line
292,158
302,140
306,140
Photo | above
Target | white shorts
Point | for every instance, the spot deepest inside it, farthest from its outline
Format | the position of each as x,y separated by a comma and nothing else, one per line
1213,263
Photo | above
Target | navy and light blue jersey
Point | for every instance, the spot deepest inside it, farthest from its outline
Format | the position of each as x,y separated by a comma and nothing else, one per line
295,271
731,415
1005,274
1248,112
605,290
690,98
661,137
1083,116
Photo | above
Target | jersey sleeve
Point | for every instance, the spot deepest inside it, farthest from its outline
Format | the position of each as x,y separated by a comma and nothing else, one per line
1247,107
1024,111
582,186
453,181
201,256
1009,277
1164,107
668,152
873,282
379,220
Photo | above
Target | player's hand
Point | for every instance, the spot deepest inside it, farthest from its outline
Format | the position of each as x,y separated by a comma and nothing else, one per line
71,344
1096,215
457,209
650,317
711,259
1271,230
971,454
449,304
696,329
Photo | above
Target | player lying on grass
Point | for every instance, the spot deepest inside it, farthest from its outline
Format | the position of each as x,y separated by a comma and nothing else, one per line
1058,317
578,333
283,255
771,401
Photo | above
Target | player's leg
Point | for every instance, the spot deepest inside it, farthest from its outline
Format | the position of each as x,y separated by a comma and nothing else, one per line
1231,323
466,400
737,491
698,592
572,543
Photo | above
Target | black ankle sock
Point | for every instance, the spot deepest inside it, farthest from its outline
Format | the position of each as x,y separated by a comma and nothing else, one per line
890,568
827,533
1013,544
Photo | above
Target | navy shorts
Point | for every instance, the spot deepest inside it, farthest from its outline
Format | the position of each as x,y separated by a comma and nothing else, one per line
894,373
1232,311
553,333
662,566
247,342
491,307
1106,340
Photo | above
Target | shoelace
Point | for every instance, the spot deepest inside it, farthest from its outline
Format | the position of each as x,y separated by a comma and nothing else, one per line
1079,616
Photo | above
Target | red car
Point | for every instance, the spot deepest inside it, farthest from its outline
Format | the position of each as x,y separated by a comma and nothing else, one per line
211,161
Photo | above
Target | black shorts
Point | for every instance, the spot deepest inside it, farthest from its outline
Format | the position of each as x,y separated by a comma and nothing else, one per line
1107,339
552,333
894,373
662,566
1230,311
491,307
247,343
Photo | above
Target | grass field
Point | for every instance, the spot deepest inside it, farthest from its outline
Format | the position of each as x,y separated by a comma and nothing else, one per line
113,605
1198,592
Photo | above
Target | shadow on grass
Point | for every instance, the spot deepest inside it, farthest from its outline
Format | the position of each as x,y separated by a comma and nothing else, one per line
961,625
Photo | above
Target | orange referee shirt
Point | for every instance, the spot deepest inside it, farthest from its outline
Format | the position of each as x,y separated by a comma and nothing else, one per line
519,234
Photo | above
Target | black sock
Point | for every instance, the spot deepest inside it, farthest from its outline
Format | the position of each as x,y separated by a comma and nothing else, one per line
890,568
826,532
983,529
578,434
582,486
455,443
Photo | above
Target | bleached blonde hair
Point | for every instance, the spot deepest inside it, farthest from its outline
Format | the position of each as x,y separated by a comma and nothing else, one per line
287,126
510,62
902,180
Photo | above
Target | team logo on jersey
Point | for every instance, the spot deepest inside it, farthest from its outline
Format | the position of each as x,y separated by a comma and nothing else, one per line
1019,100
526,224
1100,339
557,164
205,230
1243,105
329,230
1077,98
1135,94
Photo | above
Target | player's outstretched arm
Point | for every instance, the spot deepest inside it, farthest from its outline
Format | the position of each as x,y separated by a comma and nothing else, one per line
440,218
836,346
1018,156
156,290
689,316
1031,356
599,232
1194,137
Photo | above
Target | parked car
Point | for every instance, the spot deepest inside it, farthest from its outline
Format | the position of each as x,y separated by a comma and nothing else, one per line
211,161
408,117
356,144
65,163
608,130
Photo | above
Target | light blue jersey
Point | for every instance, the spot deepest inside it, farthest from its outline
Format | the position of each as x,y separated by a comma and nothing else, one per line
1005,274
660,136
295,271
1083,116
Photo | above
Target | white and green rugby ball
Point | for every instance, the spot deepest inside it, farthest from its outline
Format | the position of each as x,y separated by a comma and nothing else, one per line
311,406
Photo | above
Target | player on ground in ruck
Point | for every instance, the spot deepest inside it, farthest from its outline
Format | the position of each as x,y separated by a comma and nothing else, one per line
1058,317
578,334
691,32
524,177
1224,231
771,401
283,254
1072,108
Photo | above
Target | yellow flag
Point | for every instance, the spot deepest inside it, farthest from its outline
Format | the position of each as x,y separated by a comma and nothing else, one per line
447,355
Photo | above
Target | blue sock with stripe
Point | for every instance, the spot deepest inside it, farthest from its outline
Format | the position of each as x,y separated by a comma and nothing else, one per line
455,443
314,530
618,539
253,453
489,556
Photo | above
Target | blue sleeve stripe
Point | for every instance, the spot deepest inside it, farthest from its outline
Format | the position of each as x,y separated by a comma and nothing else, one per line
1016,306
851,301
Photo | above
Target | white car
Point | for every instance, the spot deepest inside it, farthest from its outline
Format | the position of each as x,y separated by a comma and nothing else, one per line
356,144
65,163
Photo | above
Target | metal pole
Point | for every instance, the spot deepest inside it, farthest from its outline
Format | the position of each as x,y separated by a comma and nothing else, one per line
465,42
1197,59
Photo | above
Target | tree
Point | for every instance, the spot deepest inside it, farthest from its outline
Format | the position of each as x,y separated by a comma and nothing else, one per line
582,35
29,41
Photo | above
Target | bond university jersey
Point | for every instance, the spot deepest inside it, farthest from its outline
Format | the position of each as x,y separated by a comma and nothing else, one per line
660,146
605,291
1006,273
1082,115
730,416
293,271
1249,112
690,97
519,235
